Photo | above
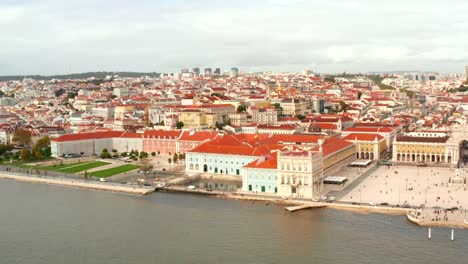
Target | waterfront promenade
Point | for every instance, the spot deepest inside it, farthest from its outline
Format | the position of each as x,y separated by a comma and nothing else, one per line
438,217
104,186
411,186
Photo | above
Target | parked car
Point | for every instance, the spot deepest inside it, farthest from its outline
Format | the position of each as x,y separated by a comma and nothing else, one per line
191,187
102,180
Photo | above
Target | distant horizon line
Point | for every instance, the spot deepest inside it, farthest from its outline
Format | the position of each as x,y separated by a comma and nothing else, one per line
245,72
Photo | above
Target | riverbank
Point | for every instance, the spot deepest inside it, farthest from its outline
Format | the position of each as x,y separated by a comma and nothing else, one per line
112,187
279,201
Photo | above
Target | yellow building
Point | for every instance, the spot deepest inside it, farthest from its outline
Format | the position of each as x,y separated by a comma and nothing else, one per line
197,119
368,146
120,110
423,147
337,153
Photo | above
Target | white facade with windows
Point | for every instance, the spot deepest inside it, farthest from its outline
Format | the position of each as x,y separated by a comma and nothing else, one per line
300,173
216,163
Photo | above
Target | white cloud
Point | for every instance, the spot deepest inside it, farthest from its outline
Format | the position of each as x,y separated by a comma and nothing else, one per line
43,36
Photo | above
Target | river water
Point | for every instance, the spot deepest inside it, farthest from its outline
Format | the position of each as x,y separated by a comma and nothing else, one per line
44,224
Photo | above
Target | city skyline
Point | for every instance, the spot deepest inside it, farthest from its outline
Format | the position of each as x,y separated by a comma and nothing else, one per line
50,37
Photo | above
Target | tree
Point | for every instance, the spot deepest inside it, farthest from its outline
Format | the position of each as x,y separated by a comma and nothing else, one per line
153,153
242,108
300,117
180,125
72,95
5,148
22,137
42,148
169,160
175,157
59,92
146,165
181,156
143,155
359,94
330,79
43,142
343,106
86,176
105,154
218,125
25,154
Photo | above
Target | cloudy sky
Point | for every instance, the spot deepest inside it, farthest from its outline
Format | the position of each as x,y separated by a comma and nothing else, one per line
65,36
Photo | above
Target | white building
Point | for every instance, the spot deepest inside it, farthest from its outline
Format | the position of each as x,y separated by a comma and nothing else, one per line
300,173
265,115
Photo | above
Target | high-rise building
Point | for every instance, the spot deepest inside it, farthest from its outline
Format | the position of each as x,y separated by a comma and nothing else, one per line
196,71
207,71
466,73
184,71
217,71
234,72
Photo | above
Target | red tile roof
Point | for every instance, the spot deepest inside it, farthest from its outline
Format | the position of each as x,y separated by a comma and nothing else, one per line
93,135
333,145
266,162
232,145
197,136
169,134
363,137
369,129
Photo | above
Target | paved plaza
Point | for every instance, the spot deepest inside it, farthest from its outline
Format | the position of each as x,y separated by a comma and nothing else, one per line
414,186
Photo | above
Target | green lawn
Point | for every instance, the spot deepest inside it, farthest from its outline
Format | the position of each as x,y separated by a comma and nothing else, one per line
114,171
63,166
83,167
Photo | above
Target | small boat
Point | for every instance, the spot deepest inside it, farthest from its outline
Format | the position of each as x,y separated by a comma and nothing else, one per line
160,185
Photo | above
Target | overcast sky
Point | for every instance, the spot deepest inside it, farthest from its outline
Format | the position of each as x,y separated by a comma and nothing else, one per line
69,36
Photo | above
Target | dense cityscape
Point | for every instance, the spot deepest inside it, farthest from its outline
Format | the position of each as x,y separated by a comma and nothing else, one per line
255,132
280,134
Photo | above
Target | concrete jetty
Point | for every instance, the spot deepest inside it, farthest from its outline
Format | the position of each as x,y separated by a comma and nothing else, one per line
104,186
305,206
